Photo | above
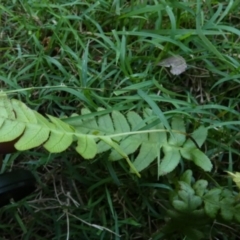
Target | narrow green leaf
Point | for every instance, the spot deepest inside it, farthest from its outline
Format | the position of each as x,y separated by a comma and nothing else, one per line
172,18
204,39
214,17
155,109
84,72
226,12
110,202
142,10
130,221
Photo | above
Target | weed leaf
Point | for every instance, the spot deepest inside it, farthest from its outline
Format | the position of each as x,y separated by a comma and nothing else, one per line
211,200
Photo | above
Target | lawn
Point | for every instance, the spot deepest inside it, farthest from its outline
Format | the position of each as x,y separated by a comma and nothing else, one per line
140,106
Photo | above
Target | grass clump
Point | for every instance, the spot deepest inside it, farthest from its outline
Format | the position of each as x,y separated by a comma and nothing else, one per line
60,57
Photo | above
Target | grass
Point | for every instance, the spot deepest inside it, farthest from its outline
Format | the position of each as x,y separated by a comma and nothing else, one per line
59,57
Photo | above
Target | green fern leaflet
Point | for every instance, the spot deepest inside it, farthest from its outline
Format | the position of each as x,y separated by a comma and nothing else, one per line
114,132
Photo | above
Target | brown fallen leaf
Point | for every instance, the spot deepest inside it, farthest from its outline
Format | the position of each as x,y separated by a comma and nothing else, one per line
177,63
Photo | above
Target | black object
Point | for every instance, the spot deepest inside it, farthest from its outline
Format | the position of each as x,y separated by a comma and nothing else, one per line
16,184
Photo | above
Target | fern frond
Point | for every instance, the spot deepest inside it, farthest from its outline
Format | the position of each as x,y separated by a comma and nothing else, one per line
116,132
